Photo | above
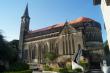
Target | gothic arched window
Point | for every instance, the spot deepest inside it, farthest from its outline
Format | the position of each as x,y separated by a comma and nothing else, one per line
33,52
25,53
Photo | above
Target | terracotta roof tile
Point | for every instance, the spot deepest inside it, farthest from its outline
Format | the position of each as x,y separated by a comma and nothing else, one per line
78,20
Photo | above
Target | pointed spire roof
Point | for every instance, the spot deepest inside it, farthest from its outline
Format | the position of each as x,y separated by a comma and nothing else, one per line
66,22
26,13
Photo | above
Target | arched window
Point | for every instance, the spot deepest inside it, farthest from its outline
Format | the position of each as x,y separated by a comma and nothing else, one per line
33,53
46,47
26,54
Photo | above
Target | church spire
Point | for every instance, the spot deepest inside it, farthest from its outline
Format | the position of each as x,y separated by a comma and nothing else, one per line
26,13
25,20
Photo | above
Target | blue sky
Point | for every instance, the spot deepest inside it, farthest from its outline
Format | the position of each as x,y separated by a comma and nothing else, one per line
44,13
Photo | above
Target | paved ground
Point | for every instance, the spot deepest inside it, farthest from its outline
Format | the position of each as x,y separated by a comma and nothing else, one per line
36,72
44,72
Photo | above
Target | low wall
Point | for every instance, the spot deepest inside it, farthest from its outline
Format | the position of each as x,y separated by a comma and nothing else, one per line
49,72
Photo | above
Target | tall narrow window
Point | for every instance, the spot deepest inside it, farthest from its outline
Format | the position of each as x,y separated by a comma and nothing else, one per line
25,54
63,47
56,48
30,53
33,53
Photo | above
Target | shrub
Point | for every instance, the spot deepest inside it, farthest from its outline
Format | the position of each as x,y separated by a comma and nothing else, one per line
77,70
26,71
50,56
63,70
56,69
66,70
85,65
19,66
69,67
47,68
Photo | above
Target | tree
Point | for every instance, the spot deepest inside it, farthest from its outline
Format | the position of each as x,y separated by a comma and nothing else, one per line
3,48
4,51
8,51
14,47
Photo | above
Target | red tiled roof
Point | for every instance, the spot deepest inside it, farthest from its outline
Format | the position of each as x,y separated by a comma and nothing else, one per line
78,20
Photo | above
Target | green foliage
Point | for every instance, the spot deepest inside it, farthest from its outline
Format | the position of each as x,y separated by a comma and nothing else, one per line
66,70
19,66
7,51
69,67
56,69
25,71
84,64
4,49
77,70
14,49
50,56
14,44
63,70
47,68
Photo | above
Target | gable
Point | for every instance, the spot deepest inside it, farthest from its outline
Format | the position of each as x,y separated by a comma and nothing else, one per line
67,29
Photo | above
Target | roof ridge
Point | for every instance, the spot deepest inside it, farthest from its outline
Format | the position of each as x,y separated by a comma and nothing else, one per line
78,20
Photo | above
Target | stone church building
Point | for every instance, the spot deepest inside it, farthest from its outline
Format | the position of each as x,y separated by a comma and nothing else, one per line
61,39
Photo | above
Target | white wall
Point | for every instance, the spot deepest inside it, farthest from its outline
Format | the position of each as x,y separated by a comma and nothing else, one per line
106,15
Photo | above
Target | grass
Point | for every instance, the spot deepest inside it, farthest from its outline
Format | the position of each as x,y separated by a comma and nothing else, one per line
26,71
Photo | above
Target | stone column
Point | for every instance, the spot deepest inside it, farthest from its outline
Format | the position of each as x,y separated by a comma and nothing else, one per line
71,44
48,47
59,44
28,54
37,51
67,40
30,58
65,43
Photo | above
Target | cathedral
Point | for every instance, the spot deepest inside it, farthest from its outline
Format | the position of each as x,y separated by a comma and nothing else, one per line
63,39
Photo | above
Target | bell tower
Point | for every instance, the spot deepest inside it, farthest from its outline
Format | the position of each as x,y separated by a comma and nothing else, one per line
25,20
